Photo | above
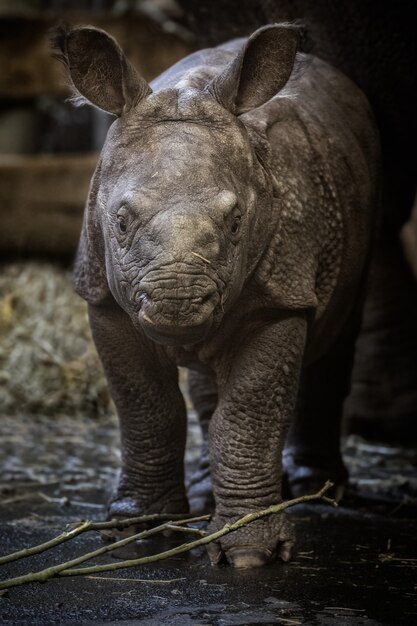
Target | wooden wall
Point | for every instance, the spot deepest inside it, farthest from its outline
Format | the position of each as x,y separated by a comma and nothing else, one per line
42,196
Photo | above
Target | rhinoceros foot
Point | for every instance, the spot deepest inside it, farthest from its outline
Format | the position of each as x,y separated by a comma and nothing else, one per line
125,505
254,545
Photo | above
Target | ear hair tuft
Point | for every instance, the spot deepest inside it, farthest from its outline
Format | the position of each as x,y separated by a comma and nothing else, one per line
58,42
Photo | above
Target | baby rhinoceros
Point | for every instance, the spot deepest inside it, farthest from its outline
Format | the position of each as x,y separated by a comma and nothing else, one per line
227,229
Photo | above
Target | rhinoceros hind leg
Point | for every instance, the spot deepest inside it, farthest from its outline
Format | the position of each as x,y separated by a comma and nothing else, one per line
312,452
203,392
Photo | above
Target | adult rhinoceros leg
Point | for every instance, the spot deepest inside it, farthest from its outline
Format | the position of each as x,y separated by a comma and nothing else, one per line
144,387
258,382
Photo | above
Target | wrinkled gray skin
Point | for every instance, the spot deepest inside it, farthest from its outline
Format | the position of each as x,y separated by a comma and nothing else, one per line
227,229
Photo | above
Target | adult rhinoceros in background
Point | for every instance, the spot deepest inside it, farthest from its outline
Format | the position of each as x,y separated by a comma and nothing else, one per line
228,229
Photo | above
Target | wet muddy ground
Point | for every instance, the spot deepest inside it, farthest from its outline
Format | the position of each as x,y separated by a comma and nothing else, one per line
353,565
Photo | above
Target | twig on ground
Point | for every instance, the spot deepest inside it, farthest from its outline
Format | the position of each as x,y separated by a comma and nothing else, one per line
185,547
66,501
65,536
67,568
138,580
19,498
55,570
81,527
182,529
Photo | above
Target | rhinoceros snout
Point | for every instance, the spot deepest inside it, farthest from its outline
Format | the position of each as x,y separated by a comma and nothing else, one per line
172,333
178,321
177,307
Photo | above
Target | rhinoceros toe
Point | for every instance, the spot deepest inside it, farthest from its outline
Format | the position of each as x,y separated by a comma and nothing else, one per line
254,545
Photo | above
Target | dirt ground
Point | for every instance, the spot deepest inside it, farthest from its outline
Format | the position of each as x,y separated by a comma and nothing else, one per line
353,565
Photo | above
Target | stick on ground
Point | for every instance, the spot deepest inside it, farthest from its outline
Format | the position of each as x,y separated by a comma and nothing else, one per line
68,569
82,527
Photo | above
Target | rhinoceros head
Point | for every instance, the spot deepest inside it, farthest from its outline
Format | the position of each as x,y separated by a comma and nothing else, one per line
173,223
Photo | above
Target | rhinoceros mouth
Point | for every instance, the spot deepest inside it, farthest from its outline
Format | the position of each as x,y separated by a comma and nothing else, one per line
174,334
177,307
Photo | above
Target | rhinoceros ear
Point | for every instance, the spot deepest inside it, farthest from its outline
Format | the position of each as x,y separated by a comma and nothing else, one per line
259,71
98,69
89,272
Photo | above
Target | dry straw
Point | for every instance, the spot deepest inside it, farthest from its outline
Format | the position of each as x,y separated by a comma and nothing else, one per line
48,363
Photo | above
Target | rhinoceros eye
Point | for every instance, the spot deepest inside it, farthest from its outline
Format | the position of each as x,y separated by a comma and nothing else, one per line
123,218
122,223
235,226
235,221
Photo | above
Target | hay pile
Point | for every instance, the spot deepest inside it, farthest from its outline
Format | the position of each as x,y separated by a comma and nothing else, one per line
48,364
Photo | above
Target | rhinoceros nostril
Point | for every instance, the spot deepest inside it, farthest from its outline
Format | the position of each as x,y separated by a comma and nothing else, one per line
206,298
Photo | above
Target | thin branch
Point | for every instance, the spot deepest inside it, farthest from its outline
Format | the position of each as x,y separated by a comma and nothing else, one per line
183,529
138,580
82,527
65,536
67,568
64,501
185,547
49,572
331,501
154,517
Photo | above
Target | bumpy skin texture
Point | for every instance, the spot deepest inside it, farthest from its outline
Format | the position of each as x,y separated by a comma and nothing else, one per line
229,231
257,388
143,385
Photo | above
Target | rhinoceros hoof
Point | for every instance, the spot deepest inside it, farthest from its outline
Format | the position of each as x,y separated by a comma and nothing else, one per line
257,544
129,505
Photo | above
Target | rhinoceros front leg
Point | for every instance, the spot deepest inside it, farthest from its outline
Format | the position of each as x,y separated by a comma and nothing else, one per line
144,387
258,383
